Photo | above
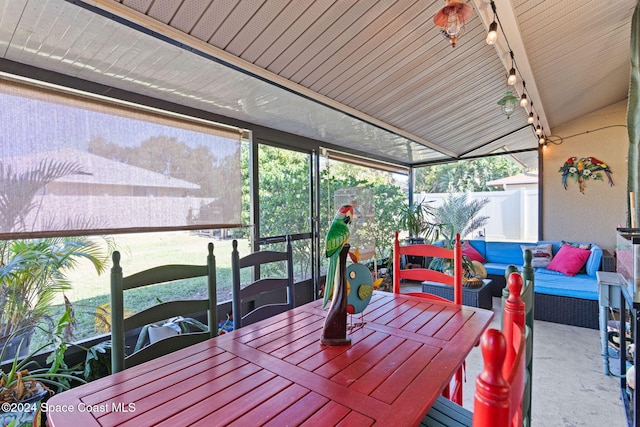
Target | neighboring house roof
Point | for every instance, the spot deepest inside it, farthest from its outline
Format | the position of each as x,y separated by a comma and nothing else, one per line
103,171
519,179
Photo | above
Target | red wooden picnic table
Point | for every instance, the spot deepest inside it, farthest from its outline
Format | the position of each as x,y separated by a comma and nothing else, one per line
276,372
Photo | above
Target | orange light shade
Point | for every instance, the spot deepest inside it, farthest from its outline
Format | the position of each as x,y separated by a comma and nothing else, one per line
462,10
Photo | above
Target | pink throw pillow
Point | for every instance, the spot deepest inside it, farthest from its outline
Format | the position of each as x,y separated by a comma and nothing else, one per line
472,252
569,260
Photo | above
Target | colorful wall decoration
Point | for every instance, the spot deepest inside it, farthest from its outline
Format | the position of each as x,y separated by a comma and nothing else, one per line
584,169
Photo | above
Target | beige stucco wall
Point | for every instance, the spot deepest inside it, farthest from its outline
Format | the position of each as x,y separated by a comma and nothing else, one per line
594,215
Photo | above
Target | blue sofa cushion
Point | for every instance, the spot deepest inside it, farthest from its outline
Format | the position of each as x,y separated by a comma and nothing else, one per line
580,286
497,268
505,252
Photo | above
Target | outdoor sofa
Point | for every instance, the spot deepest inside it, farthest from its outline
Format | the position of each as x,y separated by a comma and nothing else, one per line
560,297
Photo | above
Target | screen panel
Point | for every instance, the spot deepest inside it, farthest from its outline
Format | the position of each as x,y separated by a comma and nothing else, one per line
74,165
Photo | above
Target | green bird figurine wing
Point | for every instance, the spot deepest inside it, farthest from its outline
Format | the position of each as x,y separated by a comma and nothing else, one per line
337,237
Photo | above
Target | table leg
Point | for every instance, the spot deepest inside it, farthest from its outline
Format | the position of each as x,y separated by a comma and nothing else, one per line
604,344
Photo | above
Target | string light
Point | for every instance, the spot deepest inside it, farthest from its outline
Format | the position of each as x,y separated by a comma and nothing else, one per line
509,100
523,98
492,35
511,80
531,118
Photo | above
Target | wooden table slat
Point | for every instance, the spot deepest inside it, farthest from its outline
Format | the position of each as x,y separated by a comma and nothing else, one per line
190,391
231,411
366,351
148,383
300,411
356,419
328,415
272,407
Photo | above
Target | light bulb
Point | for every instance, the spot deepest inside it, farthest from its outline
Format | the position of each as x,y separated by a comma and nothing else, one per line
453,23
511,80
509,108
523,100
530,119
541,140
538,130
492,35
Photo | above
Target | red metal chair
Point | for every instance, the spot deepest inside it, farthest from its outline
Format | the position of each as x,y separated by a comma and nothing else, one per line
498,400
454,391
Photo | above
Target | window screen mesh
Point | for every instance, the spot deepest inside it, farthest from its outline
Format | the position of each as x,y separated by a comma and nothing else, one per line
74,165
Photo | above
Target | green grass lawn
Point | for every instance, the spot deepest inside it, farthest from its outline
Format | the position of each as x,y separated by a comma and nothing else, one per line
139,252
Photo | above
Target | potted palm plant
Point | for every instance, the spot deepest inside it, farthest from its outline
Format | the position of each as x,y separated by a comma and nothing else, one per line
462,216
24,383
32,274
418,219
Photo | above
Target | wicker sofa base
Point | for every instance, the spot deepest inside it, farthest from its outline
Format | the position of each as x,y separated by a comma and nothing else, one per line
566,310
498,282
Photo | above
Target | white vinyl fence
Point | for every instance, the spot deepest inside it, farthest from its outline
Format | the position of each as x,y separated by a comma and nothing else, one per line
513,214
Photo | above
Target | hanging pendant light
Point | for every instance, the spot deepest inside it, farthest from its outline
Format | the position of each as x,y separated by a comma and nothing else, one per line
508,103
451,19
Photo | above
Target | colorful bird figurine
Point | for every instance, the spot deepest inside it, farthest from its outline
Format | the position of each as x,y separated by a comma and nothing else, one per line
598,165
569,167
337,237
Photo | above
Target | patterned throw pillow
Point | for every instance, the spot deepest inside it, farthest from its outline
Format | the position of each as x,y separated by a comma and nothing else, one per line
586,246
542,254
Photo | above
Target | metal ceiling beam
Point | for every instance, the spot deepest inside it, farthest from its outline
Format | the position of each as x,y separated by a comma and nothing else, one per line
509,24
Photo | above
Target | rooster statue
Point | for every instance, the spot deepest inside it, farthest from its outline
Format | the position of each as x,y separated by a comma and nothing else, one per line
337,237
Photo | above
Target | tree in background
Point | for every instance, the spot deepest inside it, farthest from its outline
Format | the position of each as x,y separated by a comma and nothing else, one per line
464,176
167,156
388,200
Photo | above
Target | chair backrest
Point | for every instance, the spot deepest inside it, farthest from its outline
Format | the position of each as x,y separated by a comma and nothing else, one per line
528,299
159,312
245,298
500,386
424,274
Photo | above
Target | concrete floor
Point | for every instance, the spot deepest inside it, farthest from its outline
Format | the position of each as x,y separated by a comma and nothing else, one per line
569,386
